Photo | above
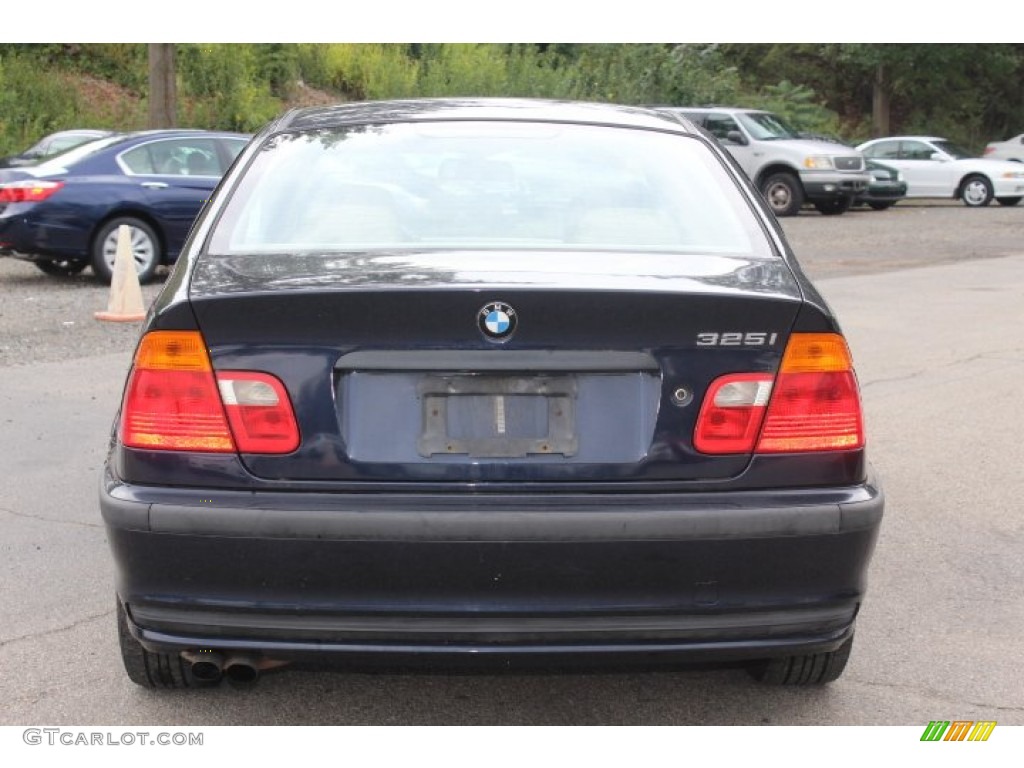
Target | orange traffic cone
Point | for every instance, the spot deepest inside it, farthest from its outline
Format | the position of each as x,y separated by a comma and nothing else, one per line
125,305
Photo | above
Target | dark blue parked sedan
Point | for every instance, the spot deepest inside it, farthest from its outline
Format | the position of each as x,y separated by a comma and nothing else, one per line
461,380
63,214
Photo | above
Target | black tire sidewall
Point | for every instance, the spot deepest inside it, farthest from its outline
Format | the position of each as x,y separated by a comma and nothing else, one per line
835,207
796,197
52,268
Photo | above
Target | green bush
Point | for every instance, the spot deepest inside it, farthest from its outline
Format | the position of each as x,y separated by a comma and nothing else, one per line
464,69
389,71
799,105
360,70
33,102
222,88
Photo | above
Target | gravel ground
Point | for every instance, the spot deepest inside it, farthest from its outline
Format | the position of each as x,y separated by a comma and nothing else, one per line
44,319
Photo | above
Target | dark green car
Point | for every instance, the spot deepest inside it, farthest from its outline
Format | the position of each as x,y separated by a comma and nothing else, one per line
887,186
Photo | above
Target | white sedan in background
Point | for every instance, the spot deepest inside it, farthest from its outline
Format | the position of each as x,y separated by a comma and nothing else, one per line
934,167
1011,149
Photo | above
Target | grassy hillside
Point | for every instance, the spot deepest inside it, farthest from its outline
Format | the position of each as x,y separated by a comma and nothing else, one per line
821,88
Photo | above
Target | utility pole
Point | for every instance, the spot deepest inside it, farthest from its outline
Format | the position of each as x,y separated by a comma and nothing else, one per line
163,95
880,104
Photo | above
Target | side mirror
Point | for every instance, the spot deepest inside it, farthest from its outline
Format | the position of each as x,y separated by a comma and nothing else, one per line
939,156
736,138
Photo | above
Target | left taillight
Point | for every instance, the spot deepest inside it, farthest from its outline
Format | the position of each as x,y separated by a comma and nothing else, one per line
28,191
175,402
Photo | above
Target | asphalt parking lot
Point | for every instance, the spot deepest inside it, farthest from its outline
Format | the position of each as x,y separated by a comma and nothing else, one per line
930,297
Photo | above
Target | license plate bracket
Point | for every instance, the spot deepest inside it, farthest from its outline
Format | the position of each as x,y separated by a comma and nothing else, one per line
487,435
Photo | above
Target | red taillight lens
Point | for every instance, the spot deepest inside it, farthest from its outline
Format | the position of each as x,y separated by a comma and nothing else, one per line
174,411
29,191
731,415
814,404
988,150
174,402
813,412
259,411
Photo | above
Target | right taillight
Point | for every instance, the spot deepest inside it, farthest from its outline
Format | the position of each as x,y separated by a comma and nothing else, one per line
814,404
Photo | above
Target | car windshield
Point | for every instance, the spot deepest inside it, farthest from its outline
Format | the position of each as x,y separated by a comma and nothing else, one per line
956,152
486,185
59,163
764,126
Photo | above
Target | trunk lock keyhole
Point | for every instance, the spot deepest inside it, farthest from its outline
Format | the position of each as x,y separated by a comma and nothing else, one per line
682,396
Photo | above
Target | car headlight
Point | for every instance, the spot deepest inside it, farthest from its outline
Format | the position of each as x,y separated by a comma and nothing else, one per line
818,162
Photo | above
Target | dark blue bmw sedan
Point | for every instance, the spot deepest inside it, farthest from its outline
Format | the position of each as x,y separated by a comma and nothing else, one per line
490,380
63,214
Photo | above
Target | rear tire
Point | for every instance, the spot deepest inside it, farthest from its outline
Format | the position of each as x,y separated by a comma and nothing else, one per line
61,267
784,194
145,248
1008,200
150,670
810,669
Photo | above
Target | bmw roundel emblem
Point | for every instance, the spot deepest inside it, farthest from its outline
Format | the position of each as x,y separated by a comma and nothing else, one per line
497,321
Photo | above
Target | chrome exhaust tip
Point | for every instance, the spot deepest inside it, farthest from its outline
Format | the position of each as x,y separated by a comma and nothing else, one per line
206,666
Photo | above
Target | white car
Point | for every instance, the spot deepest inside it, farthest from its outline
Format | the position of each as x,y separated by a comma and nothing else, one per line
934,167
1011,149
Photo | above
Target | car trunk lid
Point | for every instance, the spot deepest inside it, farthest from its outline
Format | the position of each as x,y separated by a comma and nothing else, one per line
393,375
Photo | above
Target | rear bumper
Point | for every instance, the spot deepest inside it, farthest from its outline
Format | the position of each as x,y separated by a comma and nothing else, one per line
30,238
707,576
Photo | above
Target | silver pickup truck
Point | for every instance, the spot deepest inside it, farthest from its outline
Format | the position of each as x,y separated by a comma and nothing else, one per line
788,169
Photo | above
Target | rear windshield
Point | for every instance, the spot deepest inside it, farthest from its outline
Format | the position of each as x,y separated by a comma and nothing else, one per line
58,164
486,185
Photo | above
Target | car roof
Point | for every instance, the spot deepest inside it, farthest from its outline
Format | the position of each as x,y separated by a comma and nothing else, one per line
906,138
120,140
527,110
715,108
97,132
173,132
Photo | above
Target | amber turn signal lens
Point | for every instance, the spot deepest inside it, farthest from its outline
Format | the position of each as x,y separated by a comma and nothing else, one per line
174,351
816,353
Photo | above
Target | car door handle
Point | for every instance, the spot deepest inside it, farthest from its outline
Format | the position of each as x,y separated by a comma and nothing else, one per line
154,185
